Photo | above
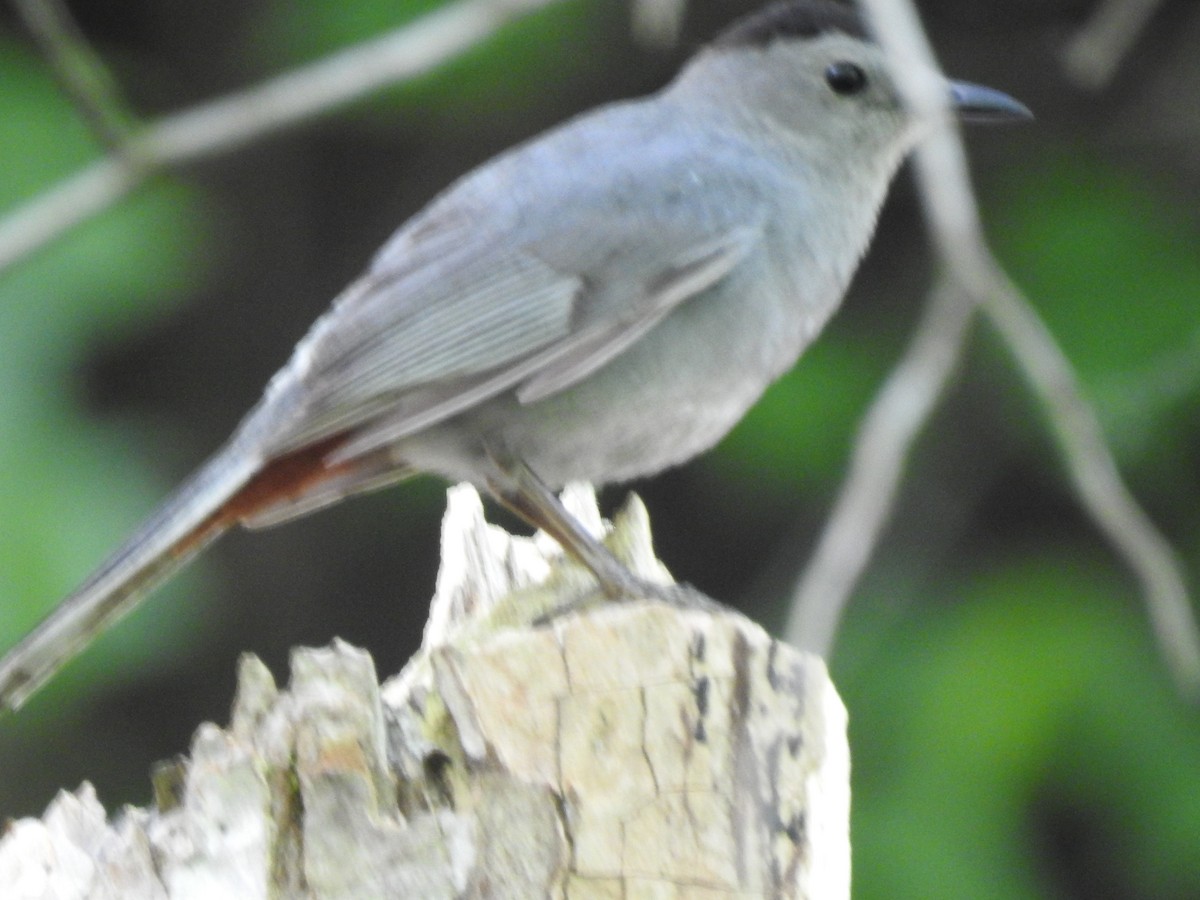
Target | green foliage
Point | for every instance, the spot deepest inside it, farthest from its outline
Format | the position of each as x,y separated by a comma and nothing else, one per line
1036,689
1112,259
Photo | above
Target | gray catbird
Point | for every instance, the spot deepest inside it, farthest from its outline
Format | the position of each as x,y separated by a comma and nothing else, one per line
600,303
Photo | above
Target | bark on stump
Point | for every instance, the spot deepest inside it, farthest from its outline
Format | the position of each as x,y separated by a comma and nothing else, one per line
632,749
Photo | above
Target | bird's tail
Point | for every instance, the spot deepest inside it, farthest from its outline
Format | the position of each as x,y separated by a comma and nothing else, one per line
188,521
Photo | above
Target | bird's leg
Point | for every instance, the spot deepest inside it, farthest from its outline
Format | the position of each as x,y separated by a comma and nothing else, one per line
520,490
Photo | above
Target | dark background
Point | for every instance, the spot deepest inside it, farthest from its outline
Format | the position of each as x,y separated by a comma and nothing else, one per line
1014,733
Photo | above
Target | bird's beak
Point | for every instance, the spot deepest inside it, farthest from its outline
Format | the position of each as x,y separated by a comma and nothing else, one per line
976,103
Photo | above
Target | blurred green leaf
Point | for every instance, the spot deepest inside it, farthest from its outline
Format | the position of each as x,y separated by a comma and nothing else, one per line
970,708
41,136
1113,262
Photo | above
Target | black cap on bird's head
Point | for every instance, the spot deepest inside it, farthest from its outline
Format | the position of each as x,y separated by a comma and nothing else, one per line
806,20
793,19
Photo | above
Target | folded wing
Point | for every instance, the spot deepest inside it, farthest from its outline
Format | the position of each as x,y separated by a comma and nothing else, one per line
470,300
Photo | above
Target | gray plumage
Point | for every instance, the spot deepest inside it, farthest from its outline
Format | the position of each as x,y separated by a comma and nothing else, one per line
599,303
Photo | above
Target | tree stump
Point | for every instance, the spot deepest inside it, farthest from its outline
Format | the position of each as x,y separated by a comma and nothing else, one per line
540,744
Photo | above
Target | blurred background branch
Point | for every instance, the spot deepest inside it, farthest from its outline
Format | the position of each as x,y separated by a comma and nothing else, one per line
903,406
1092,56
885,440
228,122
79,70
657,23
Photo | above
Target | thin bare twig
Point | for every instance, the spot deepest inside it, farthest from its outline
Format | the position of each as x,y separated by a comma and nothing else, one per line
78,69
974,277
1095,52
884,442
1098,482
231,121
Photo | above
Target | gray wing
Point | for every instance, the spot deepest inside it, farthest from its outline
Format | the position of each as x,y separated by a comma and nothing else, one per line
507,283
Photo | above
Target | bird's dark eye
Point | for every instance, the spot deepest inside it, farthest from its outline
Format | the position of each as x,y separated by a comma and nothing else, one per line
845,78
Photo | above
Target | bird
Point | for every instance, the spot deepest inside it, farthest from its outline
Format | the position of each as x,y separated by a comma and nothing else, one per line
599,303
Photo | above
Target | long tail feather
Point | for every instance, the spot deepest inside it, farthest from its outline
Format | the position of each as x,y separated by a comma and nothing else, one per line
187,522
